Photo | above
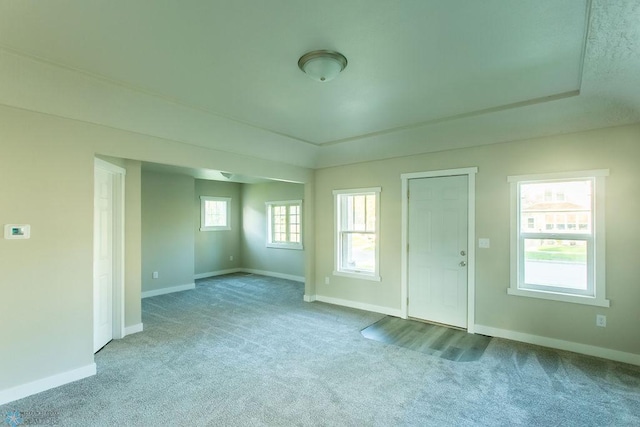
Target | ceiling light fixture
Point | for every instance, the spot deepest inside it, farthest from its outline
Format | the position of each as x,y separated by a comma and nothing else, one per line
322,65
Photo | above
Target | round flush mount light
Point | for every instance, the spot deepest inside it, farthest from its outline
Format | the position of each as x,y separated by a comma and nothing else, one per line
322,65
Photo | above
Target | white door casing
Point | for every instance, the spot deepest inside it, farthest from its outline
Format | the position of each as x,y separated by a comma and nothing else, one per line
433,242
108,254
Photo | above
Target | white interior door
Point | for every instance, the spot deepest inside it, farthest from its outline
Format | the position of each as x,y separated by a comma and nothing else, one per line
103,259
437,255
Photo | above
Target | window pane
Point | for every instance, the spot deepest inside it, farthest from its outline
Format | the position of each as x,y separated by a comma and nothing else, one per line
294,224
215,213
279,220
371,213
359,219
358,212
556,263
359,252
285,223
554,206
356,245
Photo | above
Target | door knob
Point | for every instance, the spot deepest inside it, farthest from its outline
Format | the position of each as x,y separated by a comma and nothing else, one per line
463,263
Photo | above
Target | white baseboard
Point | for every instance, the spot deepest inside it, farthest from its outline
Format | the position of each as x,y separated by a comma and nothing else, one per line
309,298
38,386
216,273
273,274
133,329
359,305
589,350
168,290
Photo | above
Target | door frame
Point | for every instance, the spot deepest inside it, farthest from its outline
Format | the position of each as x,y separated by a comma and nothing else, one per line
471,233
117,175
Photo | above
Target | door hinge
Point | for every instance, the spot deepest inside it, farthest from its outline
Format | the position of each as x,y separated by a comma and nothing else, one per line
407,301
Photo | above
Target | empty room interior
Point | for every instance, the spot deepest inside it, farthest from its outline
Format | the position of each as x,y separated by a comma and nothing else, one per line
302,213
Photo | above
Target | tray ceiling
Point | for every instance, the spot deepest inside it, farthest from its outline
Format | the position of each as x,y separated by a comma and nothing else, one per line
413,65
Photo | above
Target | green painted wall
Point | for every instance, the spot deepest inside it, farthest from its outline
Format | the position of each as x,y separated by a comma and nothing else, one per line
167,230
213,249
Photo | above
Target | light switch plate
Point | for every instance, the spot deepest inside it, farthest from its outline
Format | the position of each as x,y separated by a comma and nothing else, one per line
17,231
484,243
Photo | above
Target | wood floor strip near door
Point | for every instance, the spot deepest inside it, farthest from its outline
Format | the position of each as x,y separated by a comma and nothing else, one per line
440,341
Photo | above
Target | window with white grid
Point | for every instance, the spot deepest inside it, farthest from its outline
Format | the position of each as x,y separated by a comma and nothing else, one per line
357,231
214,213
284,224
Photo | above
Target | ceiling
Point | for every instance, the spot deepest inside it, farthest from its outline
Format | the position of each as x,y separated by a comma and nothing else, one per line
422,75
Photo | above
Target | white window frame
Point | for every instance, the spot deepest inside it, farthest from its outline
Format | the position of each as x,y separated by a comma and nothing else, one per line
203,207
596,248
339,270
271,243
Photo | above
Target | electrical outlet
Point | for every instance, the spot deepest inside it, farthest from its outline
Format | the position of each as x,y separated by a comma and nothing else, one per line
155,275
484,243
601,320
326,280
230,257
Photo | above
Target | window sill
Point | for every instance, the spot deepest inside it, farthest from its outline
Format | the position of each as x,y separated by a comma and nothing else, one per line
354,275
554,296
285,246
214,228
